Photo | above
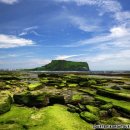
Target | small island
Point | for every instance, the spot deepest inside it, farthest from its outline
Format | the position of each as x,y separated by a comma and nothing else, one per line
63,65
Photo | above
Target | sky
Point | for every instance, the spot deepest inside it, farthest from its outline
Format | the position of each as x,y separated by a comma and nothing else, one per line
34,32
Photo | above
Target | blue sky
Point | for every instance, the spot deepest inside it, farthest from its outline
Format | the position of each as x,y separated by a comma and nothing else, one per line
34,32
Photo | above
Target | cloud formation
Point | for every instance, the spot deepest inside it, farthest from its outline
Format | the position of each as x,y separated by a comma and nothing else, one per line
63,57
83,24
105,5
10,41
10,2
30,30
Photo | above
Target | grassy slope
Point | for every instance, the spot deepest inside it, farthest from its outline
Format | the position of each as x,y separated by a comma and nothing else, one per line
63,65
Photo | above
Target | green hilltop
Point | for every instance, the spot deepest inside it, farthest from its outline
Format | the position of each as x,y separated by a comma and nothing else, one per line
63,65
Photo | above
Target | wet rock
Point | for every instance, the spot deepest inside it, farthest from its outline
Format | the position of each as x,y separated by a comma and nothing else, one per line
56,99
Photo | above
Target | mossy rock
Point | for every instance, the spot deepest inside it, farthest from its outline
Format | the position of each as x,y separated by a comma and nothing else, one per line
92,82
118,82
74,80
106,106
2,85
34,86
89,117
5,102
82,107
90,92
113,112
72,85
11,127
92,109
34,98
116,87
44,80
116,94
49,118
73,108
118,121
122,106
103,114
17,115
58,118
87,100
84,84
76,98
60,86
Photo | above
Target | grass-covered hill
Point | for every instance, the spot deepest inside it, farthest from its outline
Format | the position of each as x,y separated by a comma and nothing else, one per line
63,65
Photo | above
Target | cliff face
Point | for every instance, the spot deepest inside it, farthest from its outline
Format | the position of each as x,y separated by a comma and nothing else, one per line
63,65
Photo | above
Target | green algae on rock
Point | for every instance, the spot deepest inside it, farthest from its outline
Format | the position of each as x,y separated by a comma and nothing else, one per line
50,118
119,104
89,117
34,86
106,106
93,109
5,102
33,98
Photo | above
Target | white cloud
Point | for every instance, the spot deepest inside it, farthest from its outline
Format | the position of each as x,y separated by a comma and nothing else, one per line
63,57
9,1
122,16
119,32
118,36
117,60
105,5
83,24
10,41
30,30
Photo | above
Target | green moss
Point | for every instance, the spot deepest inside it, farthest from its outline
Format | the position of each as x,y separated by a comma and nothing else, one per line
77,97
92,82
119,104
61,85
11,127
106,106
50,118
5,102
92,109
88,91
72,85
34,86
57,118
89,117
118,121
117,94
17,114
33,98
45,80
